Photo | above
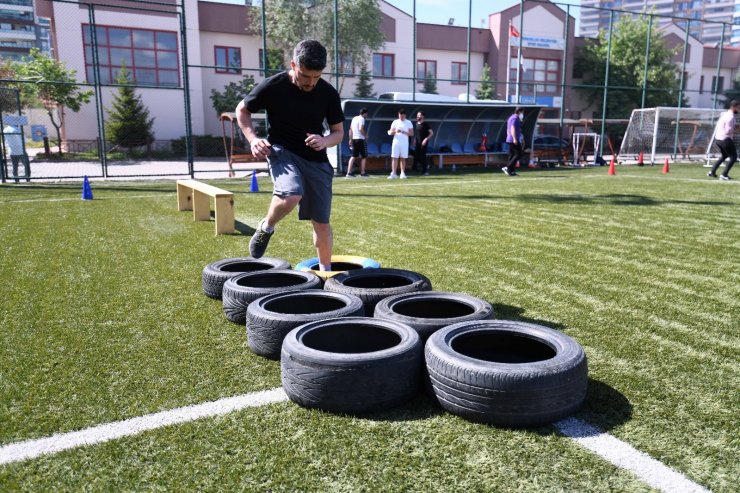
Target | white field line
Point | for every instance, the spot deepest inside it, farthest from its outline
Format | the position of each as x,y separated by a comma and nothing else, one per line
70,199
623,455
606,446
31,449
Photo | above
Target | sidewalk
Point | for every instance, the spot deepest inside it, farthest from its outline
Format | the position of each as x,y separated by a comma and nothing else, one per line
206,168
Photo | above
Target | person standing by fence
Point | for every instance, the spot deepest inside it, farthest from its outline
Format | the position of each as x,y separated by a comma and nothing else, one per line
14,143
515,139
422,134
358,143
297,103
723,136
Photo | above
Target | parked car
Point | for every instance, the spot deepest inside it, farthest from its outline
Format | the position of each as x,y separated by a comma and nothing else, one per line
549,148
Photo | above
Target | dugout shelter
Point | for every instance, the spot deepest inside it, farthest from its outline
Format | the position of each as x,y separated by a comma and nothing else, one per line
458,130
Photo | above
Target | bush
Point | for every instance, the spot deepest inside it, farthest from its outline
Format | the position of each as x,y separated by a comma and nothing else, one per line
203,146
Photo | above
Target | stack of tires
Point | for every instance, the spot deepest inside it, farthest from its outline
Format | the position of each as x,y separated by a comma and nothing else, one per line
373,337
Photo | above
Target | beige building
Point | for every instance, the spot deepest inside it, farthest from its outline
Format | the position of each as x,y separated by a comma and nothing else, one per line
221,49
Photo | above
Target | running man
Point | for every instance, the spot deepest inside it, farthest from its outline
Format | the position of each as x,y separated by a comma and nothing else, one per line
297,103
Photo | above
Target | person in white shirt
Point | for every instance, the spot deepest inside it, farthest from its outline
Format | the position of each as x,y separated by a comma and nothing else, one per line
358,143
14,145
723,136
401,129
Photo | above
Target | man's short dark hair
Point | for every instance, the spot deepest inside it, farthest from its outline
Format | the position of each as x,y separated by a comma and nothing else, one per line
518,109
401,111
734,103
363,111
310,54
421,113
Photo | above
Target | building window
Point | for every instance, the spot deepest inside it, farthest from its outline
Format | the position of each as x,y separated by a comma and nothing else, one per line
228,59
538,76
383,65
459,73
150,57
717,88
346,63
425,69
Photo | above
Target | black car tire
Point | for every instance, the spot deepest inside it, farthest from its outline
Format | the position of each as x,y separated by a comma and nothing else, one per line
372,285
351,365
428,311
271,317
506,373
216,273
242,289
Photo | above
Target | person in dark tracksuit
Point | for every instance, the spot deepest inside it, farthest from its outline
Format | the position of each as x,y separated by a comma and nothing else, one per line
515,139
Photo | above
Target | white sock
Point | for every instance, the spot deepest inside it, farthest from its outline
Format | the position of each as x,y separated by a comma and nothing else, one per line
264,226
324,267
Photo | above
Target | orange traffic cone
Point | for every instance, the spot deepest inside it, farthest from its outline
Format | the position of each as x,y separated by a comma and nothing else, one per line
641,159
665,166
612,171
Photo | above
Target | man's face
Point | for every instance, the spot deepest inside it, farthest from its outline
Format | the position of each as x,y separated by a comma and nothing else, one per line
304,79
402,116
419,117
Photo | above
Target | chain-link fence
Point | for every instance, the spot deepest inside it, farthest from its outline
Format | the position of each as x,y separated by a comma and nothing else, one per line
158,89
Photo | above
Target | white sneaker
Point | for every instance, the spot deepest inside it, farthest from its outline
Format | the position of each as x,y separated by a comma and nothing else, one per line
403,176
392,176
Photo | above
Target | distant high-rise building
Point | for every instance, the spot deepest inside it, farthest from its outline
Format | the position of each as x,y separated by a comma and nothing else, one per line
711,13
21,30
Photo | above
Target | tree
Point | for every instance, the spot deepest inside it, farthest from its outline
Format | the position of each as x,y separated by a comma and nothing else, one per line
290,21
626,68
128,124
233,93
733,93
54,86
486,88
430,85
364,87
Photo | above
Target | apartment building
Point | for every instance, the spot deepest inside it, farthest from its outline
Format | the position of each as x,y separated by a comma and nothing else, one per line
21,29
712,13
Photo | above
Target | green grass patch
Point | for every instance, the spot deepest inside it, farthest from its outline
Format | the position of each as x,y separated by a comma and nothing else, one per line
104,319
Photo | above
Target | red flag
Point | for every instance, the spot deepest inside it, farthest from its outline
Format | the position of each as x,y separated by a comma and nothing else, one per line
513,31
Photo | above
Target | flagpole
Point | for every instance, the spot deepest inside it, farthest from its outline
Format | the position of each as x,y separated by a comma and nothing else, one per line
508,63
519,51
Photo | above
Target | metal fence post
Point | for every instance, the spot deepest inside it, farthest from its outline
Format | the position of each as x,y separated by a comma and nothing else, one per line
606,85
715,89
680,87
647,59
186,91
98,94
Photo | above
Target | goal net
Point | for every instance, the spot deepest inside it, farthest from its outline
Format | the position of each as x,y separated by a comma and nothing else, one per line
661,132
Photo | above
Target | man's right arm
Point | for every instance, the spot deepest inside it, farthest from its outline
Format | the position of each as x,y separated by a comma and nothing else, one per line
260,147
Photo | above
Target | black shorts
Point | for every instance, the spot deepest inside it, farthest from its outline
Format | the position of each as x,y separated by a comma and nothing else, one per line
359,148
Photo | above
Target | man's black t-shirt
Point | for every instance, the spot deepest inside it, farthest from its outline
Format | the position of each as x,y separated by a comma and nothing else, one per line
292,113
421,132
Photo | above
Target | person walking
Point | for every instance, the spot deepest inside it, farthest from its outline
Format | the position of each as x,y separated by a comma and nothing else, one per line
515,139
297,102
723,136
14,144
401,129
422,134
358,143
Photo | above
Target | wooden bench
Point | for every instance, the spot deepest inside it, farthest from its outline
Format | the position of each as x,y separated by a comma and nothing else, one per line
193,195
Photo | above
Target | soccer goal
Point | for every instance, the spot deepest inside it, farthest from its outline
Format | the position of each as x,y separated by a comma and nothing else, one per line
661,132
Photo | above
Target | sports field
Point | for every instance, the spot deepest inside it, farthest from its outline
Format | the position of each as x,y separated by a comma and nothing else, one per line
103,320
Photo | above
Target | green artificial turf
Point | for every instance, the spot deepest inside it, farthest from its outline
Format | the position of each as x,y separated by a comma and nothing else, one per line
103,318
